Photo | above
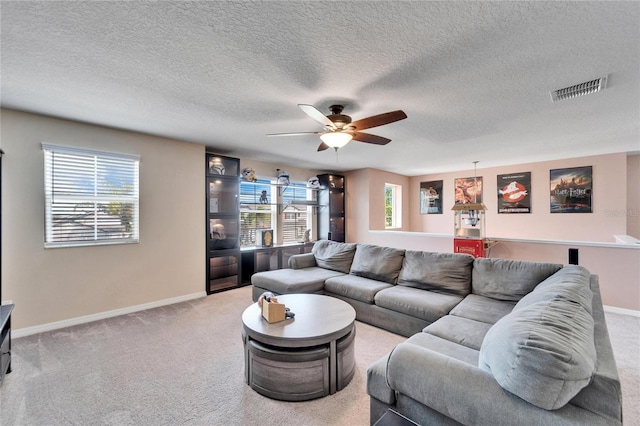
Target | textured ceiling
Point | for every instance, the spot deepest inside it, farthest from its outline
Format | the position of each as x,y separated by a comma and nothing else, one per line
473,77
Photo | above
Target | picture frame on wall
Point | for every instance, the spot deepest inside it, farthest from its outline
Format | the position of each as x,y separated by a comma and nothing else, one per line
431,197
514,193
571,190
468,190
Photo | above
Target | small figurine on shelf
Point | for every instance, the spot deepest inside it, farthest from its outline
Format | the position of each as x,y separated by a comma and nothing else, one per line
283,177
307,236
263,197
249,175
216,167
218,232
313,182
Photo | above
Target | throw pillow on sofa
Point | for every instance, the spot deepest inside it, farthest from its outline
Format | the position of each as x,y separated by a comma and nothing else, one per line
377,263
543,353
333,255
505,279
439,272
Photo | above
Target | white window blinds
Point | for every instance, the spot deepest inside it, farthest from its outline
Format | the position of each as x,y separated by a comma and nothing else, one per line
91,197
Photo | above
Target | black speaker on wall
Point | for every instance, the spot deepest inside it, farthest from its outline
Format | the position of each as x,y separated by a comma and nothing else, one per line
573,256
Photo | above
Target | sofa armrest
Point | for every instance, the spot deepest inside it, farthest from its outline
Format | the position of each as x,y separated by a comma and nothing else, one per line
468,394
300,261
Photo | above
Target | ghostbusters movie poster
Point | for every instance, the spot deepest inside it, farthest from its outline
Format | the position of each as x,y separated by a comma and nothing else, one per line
514,191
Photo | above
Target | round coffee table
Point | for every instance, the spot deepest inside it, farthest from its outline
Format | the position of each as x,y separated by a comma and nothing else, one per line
306,357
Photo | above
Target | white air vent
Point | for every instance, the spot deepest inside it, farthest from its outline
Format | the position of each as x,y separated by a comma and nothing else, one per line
581,89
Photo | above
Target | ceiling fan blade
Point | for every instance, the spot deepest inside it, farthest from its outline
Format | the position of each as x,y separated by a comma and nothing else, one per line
315,113
369,138
294,134
378,120
322,147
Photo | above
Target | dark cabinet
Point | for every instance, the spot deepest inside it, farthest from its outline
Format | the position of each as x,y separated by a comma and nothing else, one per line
223,222
5,310
331,213
5,340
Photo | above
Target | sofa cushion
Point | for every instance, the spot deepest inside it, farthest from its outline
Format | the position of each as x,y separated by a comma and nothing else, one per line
571,283
439,272
422,304
378,263
286,281
543,353
483,309
355,287
463,331
445,347
333,255
505,279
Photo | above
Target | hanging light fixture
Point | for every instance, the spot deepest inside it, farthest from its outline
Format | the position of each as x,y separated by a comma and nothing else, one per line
336,139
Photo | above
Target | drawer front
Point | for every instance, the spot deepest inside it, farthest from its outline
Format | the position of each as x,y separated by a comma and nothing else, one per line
5,356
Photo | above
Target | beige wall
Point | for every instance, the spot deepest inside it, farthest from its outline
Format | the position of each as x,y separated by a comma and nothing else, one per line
58,284
357,209
365,201
609,198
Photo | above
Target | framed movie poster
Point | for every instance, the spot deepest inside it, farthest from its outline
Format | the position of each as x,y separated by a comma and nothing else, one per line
514,191
571,190
431,197
468,190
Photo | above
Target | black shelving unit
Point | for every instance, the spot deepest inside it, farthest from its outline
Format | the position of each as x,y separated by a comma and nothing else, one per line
5,310
331,213
223,222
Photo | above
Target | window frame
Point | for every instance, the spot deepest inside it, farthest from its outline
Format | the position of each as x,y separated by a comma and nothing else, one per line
393,206
280,209
86,178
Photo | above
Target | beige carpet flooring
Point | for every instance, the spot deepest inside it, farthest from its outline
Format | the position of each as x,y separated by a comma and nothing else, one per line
183,365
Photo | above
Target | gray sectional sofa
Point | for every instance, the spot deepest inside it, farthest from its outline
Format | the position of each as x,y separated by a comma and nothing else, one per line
490,341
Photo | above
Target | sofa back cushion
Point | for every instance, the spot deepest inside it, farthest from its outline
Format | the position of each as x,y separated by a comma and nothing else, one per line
571,283
333,255
505,279
439,272
543,353
377,263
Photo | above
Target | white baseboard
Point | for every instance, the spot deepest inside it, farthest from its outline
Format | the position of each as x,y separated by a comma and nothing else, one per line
27,331
621,311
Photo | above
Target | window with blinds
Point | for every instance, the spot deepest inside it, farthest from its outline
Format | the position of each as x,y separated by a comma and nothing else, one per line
295,212
264,205
256,210
91,197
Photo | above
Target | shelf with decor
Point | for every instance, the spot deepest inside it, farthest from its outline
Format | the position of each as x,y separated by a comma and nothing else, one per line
331,219
260,194
222,223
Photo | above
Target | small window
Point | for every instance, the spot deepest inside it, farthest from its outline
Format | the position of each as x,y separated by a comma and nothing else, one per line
392,206
91,197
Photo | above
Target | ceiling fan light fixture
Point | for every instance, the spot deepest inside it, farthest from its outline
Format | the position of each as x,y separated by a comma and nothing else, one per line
336,139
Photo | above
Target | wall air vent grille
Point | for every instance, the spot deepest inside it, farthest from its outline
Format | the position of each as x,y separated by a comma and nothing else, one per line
581,89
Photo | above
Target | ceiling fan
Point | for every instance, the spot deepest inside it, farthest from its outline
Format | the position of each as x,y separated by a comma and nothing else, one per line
339,129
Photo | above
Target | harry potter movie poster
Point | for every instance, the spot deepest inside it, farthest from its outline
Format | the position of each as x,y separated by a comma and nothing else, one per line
514,191
571,190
